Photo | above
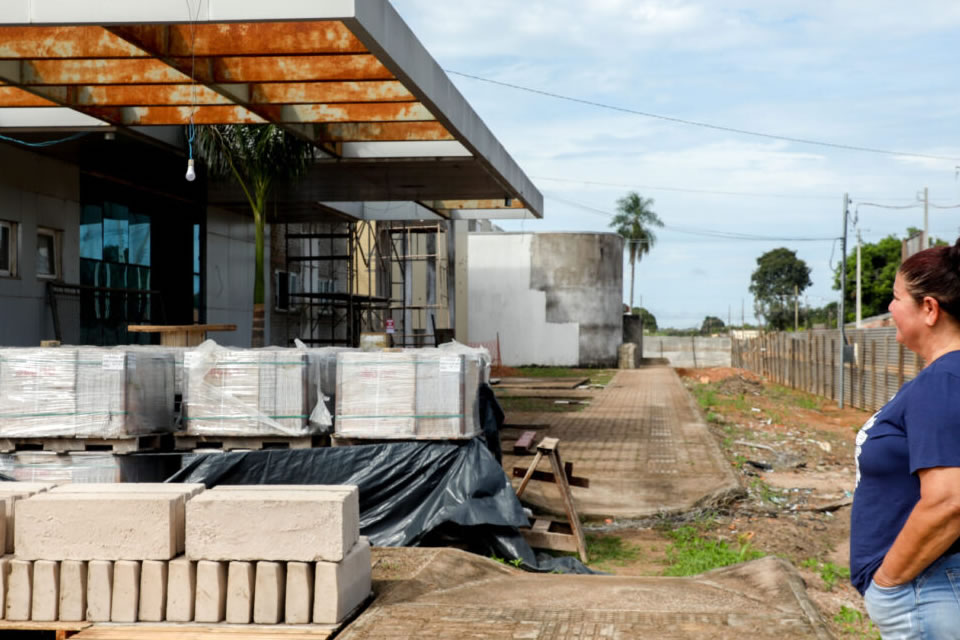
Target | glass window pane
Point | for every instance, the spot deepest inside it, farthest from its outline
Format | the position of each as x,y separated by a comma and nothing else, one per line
139,239
116,239
46,255
91,232
4,248
196,248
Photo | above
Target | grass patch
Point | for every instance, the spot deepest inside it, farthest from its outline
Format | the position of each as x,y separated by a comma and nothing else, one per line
537,405
706,396
611,550
853,623
829,572
793,397
597,376
690,553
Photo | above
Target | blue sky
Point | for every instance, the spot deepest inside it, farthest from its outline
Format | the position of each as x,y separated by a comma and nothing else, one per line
876,74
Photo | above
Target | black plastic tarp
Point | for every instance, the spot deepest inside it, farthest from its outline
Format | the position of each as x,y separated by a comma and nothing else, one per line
425,493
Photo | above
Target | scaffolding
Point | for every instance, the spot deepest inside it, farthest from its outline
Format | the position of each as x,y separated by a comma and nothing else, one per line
348,278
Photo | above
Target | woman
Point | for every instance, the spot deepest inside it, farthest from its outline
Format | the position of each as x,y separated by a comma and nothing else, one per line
905,523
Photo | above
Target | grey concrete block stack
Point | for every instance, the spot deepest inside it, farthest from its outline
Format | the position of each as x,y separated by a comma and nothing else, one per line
174,552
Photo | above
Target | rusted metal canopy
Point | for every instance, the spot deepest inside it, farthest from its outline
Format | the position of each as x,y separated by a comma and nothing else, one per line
346,74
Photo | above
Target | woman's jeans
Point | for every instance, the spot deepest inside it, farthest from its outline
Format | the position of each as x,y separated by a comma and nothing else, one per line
927,607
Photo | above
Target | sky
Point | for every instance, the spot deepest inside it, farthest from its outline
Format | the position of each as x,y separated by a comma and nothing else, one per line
878,74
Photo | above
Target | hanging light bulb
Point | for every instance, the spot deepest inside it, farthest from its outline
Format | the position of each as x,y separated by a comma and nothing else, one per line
191,174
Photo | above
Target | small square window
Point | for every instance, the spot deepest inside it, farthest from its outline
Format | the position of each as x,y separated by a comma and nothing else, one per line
8,248
48,253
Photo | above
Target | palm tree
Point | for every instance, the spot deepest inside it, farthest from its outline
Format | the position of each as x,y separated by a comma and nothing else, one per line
633,222
257,156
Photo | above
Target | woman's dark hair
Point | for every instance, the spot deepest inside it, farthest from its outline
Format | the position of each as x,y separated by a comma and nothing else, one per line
935,272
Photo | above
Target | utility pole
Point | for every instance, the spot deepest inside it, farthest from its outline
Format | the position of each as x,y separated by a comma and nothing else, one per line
843,295
859,313
926,221
796,309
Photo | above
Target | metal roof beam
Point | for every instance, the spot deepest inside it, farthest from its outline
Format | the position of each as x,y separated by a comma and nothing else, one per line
383,131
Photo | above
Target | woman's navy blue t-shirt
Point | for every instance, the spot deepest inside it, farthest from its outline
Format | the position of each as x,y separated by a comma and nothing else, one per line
918,429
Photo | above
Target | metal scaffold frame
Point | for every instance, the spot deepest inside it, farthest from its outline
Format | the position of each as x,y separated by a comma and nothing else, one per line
353,276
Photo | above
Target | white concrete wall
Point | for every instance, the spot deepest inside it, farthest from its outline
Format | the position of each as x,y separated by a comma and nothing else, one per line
691,351
501,301
36,190
230,262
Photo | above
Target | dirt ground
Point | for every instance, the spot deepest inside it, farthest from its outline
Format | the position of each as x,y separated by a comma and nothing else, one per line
794,455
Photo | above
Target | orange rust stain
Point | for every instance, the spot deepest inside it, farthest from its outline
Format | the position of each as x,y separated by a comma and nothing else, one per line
356,112
63,42
262,38
14,97
299,68
384,132
145,116
115,71
478,204
148,94
330,92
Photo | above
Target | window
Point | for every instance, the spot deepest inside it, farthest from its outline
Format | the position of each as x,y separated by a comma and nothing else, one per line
8,248
48,253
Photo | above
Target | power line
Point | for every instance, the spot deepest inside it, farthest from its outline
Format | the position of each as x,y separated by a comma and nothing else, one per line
706,125
709,233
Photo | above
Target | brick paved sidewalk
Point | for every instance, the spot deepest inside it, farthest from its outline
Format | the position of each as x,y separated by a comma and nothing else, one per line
643,445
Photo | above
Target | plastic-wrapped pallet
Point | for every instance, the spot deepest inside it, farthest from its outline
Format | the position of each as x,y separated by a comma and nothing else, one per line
245,392
84,392
176,352
87,466
416,393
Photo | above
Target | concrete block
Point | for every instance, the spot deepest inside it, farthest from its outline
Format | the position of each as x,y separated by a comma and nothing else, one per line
340,587
298,606
185,490
99,590
268,595
262,523
73,590
181,589
19,590
46,588
102,526
211,604
240,585
10,493
126,591
4,582
153,590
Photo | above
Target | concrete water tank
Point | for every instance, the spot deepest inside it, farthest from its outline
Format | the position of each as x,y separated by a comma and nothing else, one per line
582,277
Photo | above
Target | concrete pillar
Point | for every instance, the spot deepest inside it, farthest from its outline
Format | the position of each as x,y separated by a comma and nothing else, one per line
99,590
73,590
19,590
126,591
240,585
211,603
181,589
268,596
46,587
299,593
153,590
461,310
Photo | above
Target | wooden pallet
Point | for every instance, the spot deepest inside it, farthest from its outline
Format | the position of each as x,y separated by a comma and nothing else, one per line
70,445
234,443
197,631
13,628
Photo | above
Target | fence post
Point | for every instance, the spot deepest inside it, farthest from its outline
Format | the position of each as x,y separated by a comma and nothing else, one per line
873,378
899,366
833,368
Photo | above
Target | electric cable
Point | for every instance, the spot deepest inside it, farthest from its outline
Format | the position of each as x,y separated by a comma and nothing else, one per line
706,125
45,143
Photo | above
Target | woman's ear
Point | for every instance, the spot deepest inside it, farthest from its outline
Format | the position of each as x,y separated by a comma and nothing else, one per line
931,311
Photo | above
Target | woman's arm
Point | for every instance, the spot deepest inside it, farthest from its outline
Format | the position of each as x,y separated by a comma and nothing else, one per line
933,525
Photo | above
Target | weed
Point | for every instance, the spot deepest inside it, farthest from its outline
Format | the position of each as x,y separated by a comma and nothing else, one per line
852,622
705,395
690,554
828,571
740,403
765,492
714,417
606,550
497,558
517,562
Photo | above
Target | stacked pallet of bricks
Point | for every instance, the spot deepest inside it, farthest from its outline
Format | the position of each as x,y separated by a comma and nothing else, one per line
176,553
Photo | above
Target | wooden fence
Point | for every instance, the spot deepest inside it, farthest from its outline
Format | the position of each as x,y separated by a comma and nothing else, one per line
808,361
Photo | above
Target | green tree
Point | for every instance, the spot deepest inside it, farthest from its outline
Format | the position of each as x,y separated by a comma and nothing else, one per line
711,324
779,275
257,157
648,319
634,221
879,262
